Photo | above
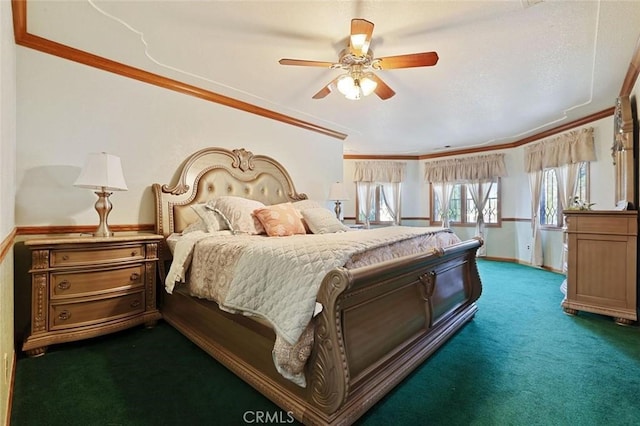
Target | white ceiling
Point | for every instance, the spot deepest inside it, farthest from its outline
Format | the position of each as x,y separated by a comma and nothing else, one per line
508,69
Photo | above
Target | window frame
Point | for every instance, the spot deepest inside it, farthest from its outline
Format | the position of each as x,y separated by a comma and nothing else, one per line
560,213
463,208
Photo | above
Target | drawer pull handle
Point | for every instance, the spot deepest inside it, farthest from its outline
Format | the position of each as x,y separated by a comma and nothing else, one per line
135,304
65,257
135,276
64,315
134,253
64,285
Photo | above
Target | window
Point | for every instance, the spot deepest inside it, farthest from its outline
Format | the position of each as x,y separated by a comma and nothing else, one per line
462,209
380,213
550,205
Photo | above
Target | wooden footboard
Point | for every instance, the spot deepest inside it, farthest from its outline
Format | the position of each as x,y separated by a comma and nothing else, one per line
378,324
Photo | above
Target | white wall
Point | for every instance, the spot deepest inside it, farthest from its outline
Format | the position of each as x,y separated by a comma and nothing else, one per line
7,185
513,239
66,110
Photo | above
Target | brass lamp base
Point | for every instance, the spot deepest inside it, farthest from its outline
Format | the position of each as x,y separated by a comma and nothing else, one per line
338,209
103,207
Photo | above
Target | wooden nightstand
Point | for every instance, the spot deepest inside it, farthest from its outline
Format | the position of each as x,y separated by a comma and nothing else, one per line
89,286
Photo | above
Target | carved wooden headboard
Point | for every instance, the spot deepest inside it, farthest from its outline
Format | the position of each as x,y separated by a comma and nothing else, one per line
214,172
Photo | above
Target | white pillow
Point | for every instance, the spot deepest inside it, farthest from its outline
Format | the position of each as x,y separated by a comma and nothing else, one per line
239,213
209,220
198,225
322,221
304,205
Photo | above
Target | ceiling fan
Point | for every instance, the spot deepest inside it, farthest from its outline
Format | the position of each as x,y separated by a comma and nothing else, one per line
358,62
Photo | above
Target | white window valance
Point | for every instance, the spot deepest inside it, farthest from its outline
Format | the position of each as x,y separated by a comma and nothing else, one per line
572,147
481,167
379,171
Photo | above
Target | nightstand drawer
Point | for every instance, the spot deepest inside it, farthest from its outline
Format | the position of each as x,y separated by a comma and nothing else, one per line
78,314
74,284
75,257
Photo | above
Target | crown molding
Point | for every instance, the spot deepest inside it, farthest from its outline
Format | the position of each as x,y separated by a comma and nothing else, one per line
26,39
568,126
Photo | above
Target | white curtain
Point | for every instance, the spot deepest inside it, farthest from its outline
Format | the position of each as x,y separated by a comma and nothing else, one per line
391,198
480,194
568,149
567,178
443,191
535,184
364,192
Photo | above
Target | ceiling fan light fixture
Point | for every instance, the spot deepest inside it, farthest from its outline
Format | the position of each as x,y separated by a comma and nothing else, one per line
357,60
355,85
346,84
367,85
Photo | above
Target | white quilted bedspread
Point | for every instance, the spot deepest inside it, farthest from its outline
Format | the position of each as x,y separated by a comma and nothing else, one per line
278,278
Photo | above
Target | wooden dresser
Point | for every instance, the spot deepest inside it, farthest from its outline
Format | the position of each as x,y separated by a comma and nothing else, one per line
89,286
601,267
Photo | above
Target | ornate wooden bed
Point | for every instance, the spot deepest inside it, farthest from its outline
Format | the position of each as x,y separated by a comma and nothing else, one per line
378,324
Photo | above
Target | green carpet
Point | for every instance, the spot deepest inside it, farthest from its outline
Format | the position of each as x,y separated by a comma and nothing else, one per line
521,361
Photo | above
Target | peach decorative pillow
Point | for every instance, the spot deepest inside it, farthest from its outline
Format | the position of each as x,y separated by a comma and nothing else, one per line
280,220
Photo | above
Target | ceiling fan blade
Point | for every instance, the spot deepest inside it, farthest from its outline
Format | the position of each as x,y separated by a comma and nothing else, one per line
425,59
326,89
303,63
383,91
361,31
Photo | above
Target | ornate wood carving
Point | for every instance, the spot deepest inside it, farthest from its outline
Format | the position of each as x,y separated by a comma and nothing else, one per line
428,280
330,375
243,159
39,315
40,259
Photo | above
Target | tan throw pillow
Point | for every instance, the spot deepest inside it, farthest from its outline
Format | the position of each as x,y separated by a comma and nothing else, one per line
238,212
280,220
322,221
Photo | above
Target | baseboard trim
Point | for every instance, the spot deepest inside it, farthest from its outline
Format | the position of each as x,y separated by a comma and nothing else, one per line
520,262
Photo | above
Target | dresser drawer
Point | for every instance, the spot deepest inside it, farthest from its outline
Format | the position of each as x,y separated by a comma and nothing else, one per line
68,315
74,284
86,256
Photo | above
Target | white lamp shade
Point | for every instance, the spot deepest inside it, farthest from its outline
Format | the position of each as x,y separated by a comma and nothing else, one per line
338,192
102,171
346,85
368,85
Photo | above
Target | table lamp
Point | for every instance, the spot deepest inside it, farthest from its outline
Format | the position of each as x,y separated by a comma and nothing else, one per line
103,173
338,193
